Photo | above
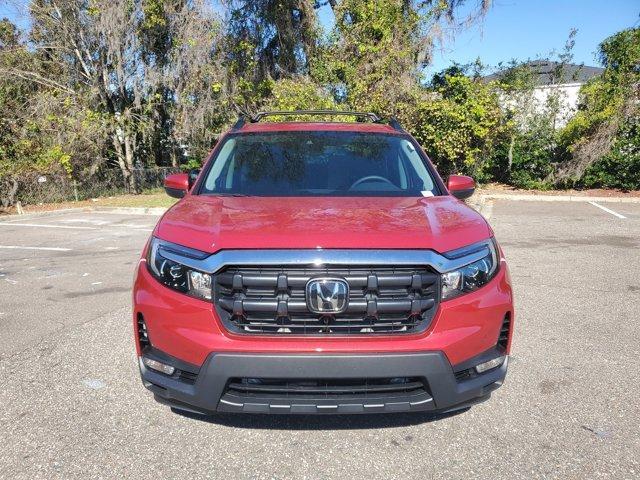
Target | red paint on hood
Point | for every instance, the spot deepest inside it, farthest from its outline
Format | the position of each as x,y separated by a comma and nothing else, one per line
212,223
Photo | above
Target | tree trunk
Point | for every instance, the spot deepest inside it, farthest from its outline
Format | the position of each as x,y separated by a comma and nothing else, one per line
120,157
510,154
9,198
128,159
175,160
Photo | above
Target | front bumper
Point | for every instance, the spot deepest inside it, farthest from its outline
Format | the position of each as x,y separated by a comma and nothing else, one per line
207,392
189,329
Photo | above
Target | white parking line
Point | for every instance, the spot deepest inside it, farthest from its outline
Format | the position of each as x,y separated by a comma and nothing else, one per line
130,227
85,220
42,225
48,249
607,210
106,223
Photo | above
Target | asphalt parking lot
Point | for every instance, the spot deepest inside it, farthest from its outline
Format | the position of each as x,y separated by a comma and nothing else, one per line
72,404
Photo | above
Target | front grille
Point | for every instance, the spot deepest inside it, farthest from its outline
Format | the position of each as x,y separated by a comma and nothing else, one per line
382,300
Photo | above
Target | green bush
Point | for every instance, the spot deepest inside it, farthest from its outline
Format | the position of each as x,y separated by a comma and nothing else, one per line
298,94
621,167
533,157
608,115
459,125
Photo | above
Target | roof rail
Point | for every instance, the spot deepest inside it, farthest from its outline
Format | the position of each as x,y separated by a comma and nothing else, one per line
370,115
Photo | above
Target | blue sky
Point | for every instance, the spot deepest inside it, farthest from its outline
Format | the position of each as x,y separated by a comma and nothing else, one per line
14,10
524,29
517,29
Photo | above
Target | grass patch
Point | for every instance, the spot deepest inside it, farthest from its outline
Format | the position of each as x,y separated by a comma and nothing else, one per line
148,199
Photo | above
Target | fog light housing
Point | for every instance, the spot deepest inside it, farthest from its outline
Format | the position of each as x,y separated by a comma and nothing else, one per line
158,366
491,364
200,284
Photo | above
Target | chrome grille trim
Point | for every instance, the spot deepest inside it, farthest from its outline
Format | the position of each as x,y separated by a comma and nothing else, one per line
381,300
441,263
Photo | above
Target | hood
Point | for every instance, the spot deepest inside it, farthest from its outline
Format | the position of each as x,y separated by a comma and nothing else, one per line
212,223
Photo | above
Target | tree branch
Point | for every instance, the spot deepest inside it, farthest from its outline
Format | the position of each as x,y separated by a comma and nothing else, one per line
34,77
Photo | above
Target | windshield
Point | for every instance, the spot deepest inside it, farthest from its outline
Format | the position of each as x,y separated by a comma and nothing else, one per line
318,164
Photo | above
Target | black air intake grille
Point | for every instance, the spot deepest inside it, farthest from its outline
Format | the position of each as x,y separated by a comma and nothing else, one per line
382,300
503,339
325,388
356,395
143,335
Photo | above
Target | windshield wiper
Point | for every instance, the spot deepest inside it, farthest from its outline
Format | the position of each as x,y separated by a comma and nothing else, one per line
230,194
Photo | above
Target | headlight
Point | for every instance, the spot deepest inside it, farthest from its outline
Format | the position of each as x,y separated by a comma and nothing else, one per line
470,277
177,276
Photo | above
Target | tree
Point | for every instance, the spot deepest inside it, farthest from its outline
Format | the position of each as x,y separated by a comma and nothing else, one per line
608,106
460,123
376,53
38,124
267,40
183,62
300,94
133,62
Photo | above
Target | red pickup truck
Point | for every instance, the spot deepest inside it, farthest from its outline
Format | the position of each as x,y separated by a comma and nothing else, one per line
321,267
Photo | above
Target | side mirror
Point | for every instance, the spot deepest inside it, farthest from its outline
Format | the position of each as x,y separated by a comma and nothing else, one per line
461,186
176,185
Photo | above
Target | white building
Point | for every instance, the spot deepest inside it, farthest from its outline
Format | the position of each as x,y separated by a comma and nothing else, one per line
552,83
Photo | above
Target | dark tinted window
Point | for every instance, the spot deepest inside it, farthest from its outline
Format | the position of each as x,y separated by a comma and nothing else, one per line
318,164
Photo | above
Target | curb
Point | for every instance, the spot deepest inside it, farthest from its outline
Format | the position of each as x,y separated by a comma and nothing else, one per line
46,213
116,210
556,198
481,204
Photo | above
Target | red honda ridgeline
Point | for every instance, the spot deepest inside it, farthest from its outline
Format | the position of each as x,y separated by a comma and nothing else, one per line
316,267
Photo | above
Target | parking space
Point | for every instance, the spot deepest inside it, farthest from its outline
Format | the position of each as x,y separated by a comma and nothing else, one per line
73,405
629,210
62,270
